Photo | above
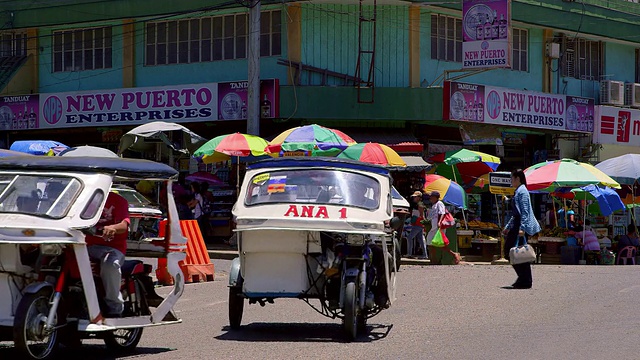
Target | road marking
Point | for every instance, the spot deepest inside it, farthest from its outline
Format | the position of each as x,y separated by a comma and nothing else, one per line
216,303
629,289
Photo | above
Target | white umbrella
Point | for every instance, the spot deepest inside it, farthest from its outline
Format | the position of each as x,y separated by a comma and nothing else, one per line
151,134
87,150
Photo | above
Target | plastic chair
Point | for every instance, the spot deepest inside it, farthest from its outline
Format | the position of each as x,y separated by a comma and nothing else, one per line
629,253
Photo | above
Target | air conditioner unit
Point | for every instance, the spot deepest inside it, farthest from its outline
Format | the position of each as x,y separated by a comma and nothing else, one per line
611,92
632,95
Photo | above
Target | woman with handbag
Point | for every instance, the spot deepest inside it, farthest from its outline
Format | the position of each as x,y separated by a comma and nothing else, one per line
522,224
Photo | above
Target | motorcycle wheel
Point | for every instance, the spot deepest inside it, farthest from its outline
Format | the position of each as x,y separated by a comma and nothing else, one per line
29,335
126,340
351,319
236,307
123,340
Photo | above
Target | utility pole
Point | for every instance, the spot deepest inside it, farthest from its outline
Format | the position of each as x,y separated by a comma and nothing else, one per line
253,58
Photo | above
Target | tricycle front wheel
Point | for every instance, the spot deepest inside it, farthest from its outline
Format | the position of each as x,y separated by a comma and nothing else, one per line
350,320
236,307
123,340
30,337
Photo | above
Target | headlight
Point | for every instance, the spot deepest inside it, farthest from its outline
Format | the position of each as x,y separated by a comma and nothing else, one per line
51,249
355,239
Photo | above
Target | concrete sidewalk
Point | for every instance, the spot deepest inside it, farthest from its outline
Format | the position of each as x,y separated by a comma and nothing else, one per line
226,252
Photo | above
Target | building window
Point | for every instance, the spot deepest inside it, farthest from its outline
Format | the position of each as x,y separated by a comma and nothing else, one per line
213,38
582,59
82,49
520,54
13,43
446,38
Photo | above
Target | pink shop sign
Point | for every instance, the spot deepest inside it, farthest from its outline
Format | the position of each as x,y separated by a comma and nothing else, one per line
521,108
131,106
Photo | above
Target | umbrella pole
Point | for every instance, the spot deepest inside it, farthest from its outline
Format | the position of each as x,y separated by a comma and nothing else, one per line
456,181
555,214
238,176
633,209
584,224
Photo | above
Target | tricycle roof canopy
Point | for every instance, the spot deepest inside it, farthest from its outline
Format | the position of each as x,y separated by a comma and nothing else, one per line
318,162
120,167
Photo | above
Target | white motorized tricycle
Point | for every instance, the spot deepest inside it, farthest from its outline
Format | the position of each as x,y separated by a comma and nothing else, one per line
50,290
314,228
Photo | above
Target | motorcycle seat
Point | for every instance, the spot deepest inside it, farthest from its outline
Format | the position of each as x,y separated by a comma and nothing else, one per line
132,267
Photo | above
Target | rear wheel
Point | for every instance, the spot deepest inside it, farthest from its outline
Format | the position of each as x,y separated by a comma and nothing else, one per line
30,337
126,340
351,318
236,307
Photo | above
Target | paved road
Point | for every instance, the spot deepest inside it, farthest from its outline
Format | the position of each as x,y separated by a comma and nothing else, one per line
447,312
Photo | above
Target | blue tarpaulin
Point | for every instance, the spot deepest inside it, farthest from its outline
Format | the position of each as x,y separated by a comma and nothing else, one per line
36,147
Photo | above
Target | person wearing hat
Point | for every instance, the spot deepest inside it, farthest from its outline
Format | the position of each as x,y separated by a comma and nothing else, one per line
417,229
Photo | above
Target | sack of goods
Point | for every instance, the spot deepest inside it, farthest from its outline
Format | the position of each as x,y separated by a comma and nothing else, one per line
522,253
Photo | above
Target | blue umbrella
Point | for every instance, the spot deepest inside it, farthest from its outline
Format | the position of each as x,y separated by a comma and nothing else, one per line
36,147
607,199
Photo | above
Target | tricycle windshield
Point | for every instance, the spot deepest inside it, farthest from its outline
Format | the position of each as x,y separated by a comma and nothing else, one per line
315,186
39,195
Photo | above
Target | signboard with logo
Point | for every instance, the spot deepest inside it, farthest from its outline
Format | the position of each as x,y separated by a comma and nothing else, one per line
19,112
135,106
233,100
617,126
503,106
486,31
500,183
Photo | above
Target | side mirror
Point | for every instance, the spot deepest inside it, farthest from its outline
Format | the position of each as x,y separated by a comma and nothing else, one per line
396,223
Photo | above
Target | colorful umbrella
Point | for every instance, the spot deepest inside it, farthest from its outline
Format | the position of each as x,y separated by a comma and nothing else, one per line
607,199
373,153
313,140
465,165
548,176
223,147
237,145
624,169
450,192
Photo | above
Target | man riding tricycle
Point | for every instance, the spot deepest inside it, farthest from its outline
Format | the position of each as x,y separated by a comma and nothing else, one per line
312,228
63,273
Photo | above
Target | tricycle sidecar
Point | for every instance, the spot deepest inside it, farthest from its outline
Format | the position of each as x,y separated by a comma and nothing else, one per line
312,228
48,291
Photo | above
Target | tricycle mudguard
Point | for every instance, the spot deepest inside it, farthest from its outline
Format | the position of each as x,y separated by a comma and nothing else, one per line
35,287
234,273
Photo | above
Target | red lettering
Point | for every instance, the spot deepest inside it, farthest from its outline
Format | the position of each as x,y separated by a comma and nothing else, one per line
293,211
307,211
343,213
322,212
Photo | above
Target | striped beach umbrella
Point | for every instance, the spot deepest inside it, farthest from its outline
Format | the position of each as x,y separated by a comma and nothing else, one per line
550,175
373,153
236,145
309,140
464,166
450,192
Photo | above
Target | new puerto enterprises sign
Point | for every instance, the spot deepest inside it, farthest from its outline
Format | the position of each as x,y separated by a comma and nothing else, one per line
486,34
134,106
502,106
617,126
